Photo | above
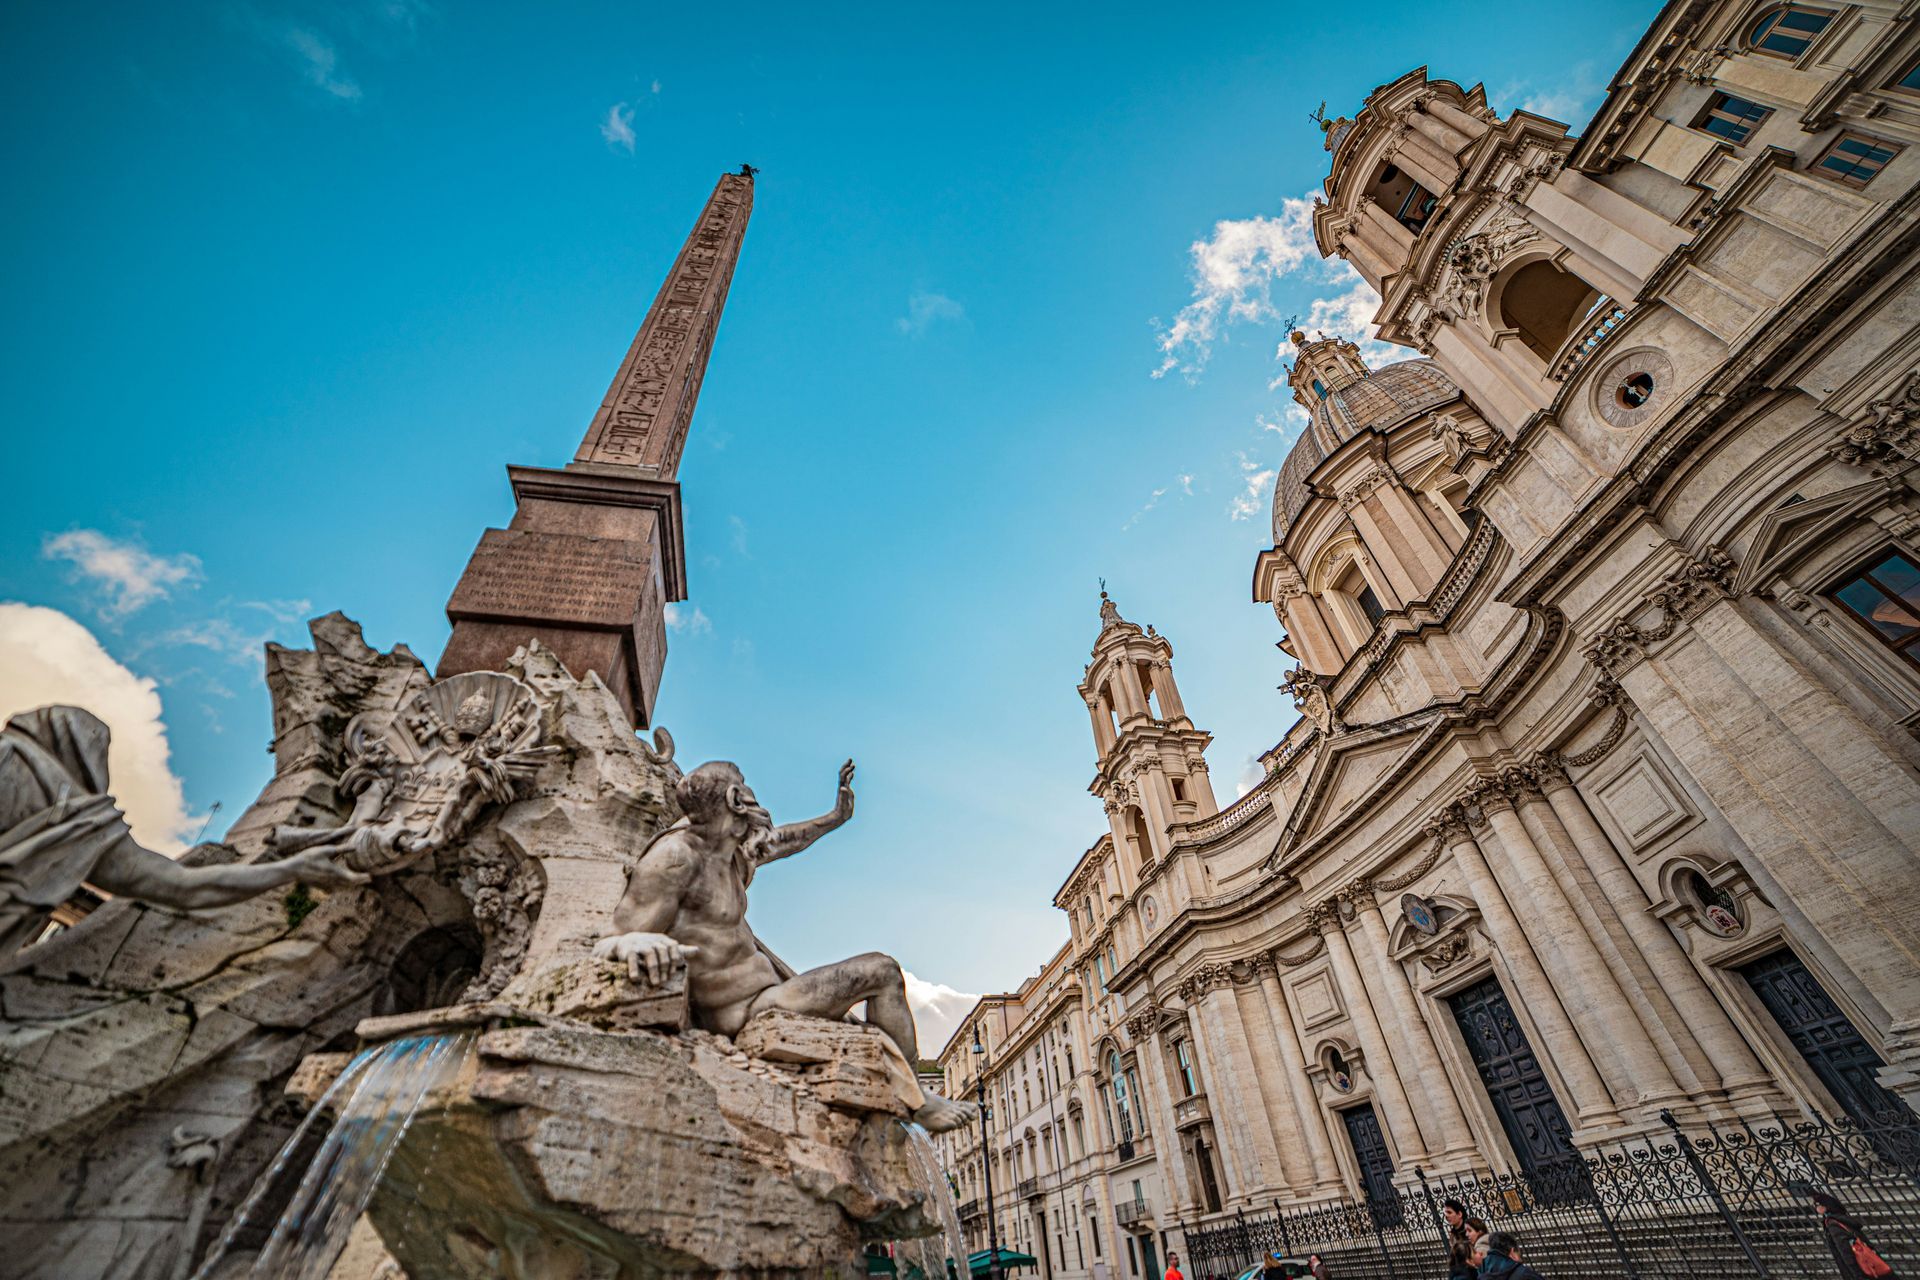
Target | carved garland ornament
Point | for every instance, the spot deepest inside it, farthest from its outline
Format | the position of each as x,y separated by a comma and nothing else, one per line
1885,437
1682,595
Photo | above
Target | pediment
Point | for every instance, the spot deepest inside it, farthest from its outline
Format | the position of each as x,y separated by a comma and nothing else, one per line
1349,768
1790,533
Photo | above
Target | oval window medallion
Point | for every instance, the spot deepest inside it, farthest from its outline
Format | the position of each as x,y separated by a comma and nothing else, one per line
1633,388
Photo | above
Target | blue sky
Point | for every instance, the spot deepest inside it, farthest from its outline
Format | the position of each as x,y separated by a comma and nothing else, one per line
287,286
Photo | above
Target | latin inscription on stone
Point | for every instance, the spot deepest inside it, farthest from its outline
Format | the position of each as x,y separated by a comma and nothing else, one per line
553,577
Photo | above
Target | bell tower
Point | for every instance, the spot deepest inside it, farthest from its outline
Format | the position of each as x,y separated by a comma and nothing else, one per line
595,550
1151,765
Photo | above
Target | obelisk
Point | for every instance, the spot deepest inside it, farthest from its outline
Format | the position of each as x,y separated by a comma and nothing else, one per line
595,550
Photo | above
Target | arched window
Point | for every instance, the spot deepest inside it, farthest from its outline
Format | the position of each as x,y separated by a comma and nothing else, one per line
1786,30
1405,200
1320,388
1122,1105
1136,831
1543,302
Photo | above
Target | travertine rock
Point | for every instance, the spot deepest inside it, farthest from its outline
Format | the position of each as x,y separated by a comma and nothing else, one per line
581,1153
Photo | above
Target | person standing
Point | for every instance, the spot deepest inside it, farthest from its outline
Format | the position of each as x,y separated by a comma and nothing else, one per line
1459,1247
1317,1265
1503,1259
1173,1267
1853,1256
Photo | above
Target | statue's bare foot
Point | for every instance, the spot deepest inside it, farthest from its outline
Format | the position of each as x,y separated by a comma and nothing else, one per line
940,1114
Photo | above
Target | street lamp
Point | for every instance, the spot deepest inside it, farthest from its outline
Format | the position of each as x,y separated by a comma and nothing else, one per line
986,1157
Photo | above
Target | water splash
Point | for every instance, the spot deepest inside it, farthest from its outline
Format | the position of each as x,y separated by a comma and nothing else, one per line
389,1082
935,1251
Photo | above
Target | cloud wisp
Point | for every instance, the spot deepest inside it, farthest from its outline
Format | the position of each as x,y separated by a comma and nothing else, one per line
925,310
319,62
1182,482
617,127
1256,483
126,575
684,621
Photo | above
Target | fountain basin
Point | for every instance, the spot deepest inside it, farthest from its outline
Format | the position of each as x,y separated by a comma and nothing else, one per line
561,1152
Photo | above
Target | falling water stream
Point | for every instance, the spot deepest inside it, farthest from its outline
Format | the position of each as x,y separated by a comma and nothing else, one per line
931,1253
388,1084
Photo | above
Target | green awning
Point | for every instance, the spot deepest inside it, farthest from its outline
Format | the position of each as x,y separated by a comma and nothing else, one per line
979,1263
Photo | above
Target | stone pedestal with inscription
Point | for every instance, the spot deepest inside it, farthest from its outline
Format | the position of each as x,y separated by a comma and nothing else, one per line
587,566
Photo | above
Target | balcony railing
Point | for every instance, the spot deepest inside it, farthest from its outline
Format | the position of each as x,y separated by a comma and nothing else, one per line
1600,325
1254,804
971,1209
1128,1212
1029,1188
1123,1149
1191,1111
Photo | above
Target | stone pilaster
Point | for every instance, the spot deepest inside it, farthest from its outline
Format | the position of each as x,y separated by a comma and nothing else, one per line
1592,1105
1730,1062
1448,1137
1381,1067
1309,1120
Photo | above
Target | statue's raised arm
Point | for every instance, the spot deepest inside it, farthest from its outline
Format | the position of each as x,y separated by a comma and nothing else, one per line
794,836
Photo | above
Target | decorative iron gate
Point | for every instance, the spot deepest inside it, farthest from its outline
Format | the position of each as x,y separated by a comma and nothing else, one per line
1521,1096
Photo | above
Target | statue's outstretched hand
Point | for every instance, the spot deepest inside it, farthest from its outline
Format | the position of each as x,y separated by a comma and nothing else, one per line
316,867
648,956
843,803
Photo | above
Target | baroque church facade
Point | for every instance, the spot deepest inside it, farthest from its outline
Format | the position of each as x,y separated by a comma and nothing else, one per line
1604,799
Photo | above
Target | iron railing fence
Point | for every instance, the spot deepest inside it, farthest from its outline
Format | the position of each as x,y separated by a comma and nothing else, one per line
1730,1204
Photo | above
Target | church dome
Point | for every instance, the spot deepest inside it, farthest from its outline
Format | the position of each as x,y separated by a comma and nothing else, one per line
1380,401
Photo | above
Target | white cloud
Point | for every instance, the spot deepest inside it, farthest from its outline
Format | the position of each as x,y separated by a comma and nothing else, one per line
47,657
1233,271
937,1011
1571,99
617,128
655,87
688,621
924,310
320,64
130,576
288,611
739,536
1256,489
1251,772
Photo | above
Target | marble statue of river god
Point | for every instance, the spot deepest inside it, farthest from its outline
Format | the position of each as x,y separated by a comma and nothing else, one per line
687,901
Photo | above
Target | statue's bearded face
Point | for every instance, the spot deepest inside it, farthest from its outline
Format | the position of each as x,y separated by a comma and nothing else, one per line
755,824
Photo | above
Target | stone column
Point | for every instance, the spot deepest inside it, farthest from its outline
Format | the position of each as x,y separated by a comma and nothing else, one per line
1151,1049
1240,1117
1389,240
1380,1062
1170,705
1209,1041
1125,683
1102,725
1592,1105
1653,1035
1309,1121
1449,137
1459,119
1430,165
1728,1054
1627,1059
1445,1122
1290,1144
1366,259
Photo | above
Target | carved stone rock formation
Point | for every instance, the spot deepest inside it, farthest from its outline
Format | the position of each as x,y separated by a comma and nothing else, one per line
583,1153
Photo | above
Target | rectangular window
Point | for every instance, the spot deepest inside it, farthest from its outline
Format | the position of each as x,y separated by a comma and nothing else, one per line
1179,790
1416,208
1910,81
1886,596
1854,159
1370,605
1731,118
1183,1055
1133,1261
